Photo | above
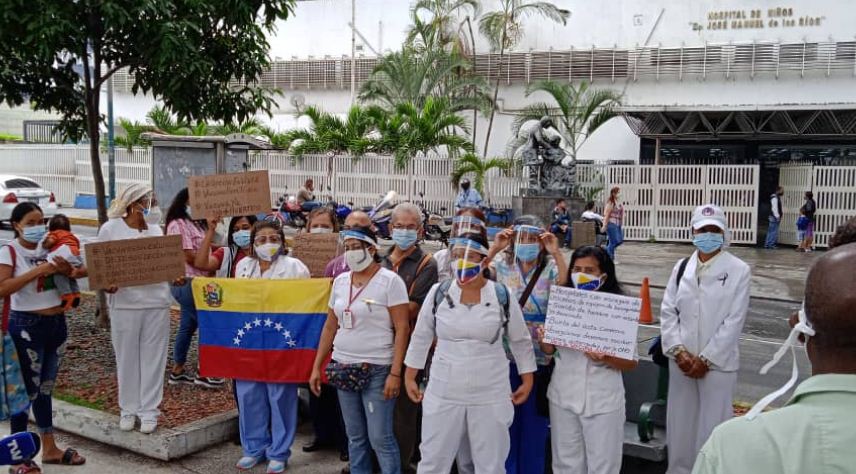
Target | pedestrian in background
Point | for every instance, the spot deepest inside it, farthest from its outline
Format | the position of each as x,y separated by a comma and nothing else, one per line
614,213
468,197
467,220
561,225
775,218
808,209
702,315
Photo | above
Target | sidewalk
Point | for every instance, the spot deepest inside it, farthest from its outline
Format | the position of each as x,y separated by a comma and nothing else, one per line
84,217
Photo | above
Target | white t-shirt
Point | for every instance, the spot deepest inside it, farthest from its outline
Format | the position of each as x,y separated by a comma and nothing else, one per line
371,339
156,295
38,294
282,268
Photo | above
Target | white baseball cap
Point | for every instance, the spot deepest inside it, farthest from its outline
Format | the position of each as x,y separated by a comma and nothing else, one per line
709,214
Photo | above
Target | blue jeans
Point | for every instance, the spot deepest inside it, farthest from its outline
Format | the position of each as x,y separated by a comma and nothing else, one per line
528,432
564,238
616,238
40,343
189,321
308,206
368,423
267,418
772,233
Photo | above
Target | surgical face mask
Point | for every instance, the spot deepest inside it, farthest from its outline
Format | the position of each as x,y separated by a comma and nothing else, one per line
466,271
268,252
586,281
241,238
527,252
358,260
404,238
802,327
465,186
320,230
708,242
187,209
34,234
152,215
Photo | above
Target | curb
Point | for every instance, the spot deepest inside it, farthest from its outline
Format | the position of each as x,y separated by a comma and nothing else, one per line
164,444
84,221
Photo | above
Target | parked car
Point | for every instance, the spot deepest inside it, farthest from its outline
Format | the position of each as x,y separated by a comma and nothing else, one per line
18,189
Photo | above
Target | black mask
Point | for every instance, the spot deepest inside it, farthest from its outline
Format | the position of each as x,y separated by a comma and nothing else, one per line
465,186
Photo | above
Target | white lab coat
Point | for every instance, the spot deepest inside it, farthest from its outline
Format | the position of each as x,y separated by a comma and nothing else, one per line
469,392
706,316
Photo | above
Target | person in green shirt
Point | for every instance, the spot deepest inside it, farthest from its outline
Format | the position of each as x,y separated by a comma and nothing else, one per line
813,432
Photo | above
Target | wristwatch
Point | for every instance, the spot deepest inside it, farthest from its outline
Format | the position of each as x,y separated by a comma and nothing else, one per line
674,351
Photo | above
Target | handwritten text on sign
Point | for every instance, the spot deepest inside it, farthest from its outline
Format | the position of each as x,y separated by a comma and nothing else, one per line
134,262
315,251
235,194
593,321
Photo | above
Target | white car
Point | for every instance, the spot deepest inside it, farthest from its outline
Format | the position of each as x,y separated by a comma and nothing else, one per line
17,189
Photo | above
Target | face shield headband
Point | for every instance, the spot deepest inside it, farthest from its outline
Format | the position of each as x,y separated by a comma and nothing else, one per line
467,225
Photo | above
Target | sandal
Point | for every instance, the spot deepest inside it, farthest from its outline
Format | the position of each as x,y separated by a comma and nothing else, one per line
70,457
29,467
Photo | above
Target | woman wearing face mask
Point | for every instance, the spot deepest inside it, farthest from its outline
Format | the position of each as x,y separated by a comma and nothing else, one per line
268,411
469,219
139,315
586,390
614,213
224,261
468,396
180,222
322,220
367,328
702,315
532,263
36,324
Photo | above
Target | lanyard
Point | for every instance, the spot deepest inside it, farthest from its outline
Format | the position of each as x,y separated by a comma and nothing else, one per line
351,295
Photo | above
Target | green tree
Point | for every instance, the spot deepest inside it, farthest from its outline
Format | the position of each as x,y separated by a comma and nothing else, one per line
504,27
577,111
202,59
443,28
133,134
471,163
163,121
328,133
434,127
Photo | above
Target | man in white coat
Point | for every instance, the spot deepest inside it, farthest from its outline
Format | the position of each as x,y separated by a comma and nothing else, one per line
702,317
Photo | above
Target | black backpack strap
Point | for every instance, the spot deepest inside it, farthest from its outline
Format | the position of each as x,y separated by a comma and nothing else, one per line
681,269
441,293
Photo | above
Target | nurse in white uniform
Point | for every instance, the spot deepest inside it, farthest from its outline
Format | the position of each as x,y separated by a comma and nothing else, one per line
586,391
702,317
469,394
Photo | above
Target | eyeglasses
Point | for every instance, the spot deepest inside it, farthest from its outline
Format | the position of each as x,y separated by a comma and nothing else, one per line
264,239
405,227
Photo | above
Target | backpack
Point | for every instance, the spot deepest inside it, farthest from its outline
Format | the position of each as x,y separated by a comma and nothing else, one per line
656,349
501,296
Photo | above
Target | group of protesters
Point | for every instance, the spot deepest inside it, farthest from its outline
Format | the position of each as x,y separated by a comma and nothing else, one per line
435,361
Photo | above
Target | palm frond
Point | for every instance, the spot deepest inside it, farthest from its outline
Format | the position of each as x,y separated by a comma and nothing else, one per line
544,9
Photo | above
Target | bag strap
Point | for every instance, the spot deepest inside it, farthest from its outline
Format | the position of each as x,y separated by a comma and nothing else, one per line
681,269
440,294
502,297
542,264
422,264
7,301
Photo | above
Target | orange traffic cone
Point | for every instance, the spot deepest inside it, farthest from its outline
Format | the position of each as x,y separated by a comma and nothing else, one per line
645,315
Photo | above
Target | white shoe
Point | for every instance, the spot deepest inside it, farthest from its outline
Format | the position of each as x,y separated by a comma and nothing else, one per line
127,422
148,426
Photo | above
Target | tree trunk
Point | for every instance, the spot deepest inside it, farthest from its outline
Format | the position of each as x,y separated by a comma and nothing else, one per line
92,121
473,52
495,92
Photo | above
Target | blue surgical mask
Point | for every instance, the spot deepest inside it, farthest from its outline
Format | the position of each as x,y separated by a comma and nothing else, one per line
404,238
34,234
187,209
708,242
527,252
241,238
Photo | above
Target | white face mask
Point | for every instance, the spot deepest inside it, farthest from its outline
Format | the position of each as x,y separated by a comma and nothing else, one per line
320,230
267,252
358,260
153,217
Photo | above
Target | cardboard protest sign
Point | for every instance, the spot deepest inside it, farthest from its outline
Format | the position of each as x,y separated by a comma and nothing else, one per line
315,251
234,194
583,234
134,262
593,321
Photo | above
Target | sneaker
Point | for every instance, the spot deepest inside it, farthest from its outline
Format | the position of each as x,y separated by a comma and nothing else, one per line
246,463
275,467
209,382
127,422
175,379
148,426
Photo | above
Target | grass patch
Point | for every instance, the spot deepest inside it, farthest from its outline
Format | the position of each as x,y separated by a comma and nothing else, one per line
4,137
75,400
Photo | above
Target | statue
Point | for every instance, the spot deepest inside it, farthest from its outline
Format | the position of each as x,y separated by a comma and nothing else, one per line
548,167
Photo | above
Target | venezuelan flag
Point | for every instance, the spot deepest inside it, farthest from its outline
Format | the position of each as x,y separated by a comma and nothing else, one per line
260,330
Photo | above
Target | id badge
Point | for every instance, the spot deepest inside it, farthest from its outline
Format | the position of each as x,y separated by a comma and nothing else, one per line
347,319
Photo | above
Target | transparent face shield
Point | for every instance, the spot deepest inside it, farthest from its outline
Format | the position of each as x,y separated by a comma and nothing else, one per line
466,259
527,243
462,225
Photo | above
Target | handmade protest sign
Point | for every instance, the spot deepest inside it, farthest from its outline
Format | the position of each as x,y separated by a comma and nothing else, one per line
134,262
234,194
316,251
593,321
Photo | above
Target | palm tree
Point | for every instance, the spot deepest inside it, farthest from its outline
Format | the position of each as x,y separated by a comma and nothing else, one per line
576,111
133,134
503,29
444,29
328,133
471,163
164,122
435,126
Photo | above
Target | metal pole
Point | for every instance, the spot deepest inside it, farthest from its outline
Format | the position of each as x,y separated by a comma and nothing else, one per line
111,145
353,50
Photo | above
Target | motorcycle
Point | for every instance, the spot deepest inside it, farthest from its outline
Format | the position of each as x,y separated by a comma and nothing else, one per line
381,215
342,211
289,213
436,228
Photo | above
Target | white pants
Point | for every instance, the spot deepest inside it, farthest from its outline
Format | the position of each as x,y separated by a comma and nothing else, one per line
695,408
586,444
140,340
445,425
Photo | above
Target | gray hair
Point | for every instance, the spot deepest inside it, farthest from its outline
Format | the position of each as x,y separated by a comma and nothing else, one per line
407,207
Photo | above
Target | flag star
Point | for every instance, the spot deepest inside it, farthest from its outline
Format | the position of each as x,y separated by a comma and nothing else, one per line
257,322
241,333
248,326
268,323
277,326
287,334
292,343
237,341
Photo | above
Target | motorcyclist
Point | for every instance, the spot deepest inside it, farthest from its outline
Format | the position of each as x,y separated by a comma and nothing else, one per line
468,197
306,196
